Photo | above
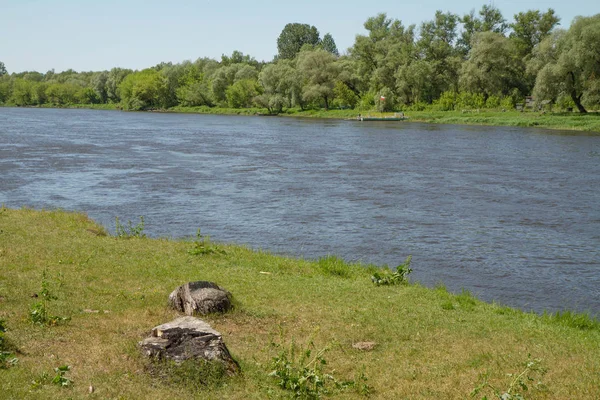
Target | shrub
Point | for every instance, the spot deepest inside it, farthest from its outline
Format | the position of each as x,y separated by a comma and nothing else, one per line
492,102
447,101
398,277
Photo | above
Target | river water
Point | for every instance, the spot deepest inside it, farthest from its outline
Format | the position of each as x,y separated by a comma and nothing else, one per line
510,214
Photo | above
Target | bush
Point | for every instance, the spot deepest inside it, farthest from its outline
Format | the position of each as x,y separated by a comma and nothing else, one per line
507,103
467,100
492,102
398,277
446,102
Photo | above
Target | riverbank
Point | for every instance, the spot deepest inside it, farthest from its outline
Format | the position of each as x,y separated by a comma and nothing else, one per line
572,121
113,290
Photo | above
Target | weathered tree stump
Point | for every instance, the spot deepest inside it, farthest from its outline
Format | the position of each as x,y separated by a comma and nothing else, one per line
200,297
188,338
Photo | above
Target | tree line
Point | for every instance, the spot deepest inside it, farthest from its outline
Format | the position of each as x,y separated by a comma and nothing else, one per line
451,62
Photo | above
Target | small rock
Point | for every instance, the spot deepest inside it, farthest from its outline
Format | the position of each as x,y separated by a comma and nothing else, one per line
200,297
91,389
364,346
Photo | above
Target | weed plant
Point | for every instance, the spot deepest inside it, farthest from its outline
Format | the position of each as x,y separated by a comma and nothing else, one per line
203,246
527,381
129,231
397,277
38,313
301,371
58,379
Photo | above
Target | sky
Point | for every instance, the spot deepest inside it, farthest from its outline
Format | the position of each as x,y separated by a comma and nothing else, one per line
95,35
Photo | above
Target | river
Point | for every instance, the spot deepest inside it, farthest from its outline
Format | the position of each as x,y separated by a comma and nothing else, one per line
510,214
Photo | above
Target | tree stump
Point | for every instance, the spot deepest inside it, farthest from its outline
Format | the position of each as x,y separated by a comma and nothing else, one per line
188,338
200,297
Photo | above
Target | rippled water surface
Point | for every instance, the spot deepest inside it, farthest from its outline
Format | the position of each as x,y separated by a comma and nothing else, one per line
511,214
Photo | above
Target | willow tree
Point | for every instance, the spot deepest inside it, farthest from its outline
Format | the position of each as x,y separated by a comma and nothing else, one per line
569,63
320,72
492,66
379,54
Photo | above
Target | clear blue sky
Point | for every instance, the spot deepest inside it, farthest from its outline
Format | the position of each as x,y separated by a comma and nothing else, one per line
89,35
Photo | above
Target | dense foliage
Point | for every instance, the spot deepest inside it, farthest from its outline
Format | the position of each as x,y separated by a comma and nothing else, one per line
452,62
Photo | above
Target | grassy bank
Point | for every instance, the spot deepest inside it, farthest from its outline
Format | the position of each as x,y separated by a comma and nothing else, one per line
429,343
589,122
573,121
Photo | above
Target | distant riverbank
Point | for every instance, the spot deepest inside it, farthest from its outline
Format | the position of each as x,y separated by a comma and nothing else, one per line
573,121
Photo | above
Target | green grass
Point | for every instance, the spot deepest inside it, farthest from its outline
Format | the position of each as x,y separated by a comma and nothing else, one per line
573,121
589,122
431,344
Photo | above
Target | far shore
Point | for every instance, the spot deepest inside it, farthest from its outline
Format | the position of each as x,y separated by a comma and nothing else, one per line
569,121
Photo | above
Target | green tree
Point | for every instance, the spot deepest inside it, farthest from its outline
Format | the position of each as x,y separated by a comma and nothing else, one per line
282,86
344,96
237,57
293,37
320,73
2,69
378,55
142,90
22,92
63,93
492,65
114,79
414,82
242,93
98,85
328,44
570,63
490,19
531,27
436,47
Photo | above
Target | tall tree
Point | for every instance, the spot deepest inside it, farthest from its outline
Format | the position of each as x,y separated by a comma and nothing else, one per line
531,27
293,37
414,82
379,54
99,85
2,69
490,19
436,47
491,66
328,44
114,79
571,63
